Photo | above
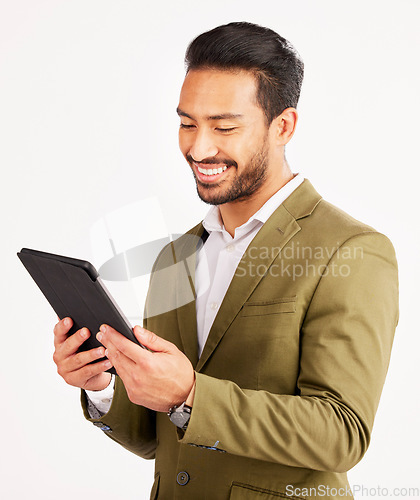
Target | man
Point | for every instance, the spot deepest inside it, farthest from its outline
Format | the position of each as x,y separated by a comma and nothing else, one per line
269,325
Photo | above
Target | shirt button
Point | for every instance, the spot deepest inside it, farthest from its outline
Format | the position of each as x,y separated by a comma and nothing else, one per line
230,248
105,400
214,306
182,478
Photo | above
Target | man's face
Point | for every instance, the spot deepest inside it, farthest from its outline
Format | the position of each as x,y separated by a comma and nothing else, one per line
223,134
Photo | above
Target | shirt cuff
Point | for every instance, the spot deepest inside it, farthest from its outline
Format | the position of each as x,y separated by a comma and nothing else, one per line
100,400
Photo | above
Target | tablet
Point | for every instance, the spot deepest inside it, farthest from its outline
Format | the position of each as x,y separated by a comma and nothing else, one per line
74,289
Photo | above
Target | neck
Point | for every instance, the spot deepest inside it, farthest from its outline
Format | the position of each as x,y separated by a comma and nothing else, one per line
237,212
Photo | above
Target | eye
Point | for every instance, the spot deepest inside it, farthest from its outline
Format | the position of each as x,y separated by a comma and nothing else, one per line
226,130
185,126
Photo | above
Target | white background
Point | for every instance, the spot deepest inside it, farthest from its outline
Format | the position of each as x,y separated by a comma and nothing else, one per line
88,91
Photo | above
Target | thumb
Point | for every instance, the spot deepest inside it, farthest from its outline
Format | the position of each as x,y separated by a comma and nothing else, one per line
151,340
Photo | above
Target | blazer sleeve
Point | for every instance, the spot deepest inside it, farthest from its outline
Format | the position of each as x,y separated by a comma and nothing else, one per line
346,339
130,425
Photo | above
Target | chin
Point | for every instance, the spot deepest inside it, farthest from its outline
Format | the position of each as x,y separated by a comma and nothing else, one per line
209,195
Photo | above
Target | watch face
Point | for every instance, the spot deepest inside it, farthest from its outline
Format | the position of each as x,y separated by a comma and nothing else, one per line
180,418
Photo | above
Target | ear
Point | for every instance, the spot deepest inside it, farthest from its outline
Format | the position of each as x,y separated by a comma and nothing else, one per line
283,127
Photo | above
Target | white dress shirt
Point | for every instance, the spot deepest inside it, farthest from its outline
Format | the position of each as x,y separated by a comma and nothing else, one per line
216,264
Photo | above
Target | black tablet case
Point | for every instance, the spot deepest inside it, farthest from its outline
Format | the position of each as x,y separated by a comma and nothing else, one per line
74,290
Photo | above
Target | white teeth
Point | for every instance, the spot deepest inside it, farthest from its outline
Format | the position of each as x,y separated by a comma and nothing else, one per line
213,171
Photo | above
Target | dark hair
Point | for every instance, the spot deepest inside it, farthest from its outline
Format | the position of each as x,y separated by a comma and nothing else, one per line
274,61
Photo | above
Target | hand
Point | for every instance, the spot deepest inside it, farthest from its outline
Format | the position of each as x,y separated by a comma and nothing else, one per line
157,380
74,366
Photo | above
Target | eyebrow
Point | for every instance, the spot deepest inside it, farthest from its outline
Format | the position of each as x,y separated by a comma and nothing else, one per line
223,116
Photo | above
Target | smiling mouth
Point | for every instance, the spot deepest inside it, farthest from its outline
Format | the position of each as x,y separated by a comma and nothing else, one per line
211,171
209,174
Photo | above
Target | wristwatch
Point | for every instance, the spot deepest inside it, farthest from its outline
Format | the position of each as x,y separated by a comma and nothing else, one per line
180,415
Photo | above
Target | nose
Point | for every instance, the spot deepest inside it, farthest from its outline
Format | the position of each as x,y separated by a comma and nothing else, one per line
203,146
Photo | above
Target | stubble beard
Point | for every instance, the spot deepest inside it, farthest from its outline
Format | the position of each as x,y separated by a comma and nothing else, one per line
242,186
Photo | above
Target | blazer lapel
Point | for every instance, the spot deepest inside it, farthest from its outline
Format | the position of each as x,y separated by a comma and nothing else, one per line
275,233
186,311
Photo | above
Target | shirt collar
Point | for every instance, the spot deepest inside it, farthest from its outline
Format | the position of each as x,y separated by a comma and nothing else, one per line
277,199
213,221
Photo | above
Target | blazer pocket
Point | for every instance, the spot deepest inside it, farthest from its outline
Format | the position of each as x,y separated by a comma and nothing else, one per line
248,492
278,306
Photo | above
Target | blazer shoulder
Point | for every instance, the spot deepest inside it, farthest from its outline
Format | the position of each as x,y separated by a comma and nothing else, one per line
341,220
323,223
337,228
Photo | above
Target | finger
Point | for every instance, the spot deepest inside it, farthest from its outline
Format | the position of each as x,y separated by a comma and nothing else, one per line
61,330
108,336
153,341
72,344
83,358
83,375
122,363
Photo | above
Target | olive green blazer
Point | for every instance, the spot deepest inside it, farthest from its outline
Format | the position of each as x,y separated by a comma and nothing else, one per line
291,375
